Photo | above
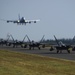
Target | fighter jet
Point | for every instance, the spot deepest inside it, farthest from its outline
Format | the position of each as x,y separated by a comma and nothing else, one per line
61,46
21,21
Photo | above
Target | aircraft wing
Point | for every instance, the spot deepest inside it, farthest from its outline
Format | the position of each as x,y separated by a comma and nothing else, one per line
30,21
20,21
14,21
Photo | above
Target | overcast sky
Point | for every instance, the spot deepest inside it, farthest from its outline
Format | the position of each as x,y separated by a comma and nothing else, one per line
57,17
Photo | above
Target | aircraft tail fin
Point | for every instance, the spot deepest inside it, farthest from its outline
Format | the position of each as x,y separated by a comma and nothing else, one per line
19,16
42,38
56,40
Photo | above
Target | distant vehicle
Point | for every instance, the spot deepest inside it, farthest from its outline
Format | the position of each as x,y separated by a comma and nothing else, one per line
21,21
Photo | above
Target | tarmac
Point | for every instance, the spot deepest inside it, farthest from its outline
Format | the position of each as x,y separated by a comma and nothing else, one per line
43,52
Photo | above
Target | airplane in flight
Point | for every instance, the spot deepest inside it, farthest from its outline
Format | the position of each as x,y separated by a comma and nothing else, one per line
21,21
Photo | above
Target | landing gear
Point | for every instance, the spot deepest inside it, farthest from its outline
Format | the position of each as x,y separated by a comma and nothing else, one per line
59,50
68,51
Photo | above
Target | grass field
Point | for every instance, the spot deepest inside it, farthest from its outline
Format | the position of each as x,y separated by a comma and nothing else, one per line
13,63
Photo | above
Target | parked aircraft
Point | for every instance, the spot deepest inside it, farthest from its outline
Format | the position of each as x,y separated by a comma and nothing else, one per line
73,45
3,42
61,46
21,21
33,44
14,43
29,44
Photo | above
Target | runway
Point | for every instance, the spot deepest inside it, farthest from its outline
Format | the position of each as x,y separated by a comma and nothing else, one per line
43,52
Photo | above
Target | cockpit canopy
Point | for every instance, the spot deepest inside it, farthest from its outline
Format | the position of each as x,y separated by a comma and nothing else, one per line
23,18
